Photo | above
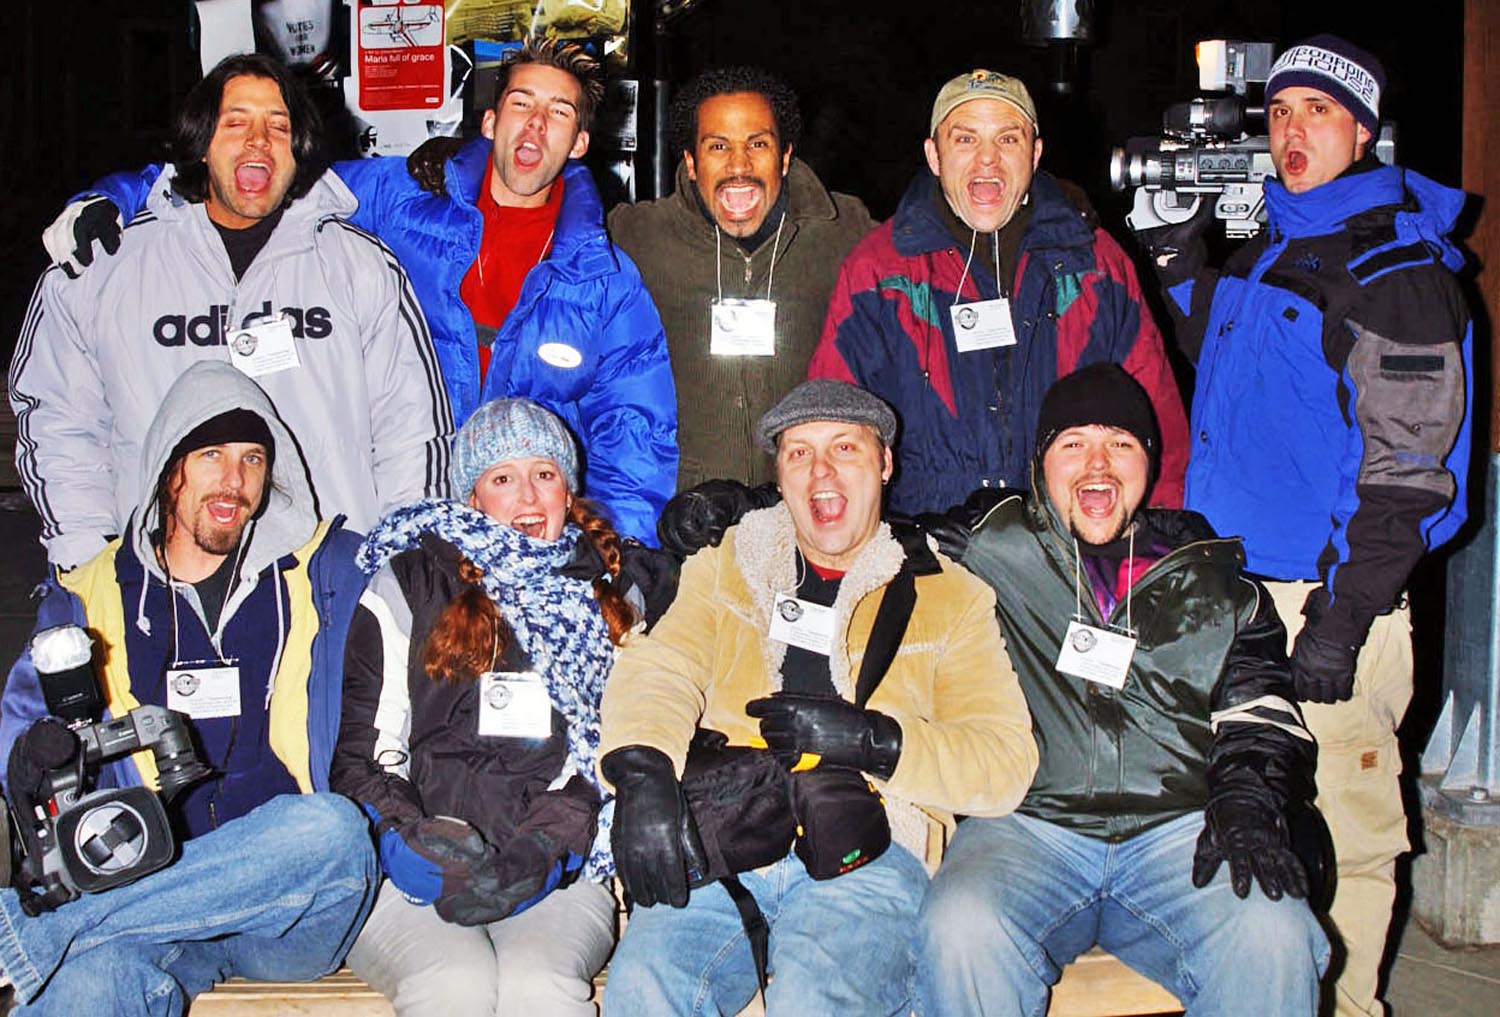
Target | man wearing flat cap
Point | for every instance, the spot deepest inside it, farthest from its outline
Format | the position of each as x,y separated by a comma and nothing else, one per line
992,281
1331,431
774,636
1174,763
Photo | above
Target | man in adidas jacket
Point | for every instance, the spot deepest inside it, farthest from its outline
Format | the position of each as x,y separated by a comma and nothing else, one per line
243,257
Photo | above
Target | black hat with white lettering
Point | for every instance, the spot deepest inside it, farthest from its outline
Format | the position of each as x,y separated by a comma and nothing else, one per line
1350,76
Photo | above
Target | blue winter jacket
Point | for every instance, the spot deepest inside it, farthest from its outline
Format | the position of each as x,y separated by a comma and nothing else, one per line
1330,423
583,339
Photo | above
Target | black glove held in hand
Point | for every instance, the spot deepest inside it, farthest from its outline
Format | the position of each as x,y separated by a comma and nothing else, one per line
835,729
650,825
1252,837
698,517
1177,250
426,163
1322,670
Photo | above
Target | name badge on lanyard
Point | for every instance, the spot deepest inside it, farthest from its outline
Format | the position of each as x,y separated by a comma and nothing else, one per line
742,328
1096,655
802,623
982,325
204,690
514,704
264,348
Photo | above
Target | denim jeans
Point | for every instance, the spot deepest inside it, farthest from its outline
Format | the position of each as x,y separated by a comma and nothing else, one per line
838,947
539,962
277,894
1017,898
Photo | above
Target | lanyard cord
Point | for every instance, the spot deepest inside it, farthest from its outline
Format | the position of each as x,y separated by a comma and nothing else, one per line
213,637
719,258
1078,582
973,239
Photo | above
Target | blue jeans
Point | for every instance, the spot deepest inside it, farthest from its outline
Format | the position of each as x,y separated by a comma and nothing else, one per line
838,947
277,894
1017,898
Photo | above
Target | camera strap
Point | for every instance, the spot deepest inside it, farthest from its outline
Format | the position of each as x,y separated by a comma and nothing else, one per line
889,628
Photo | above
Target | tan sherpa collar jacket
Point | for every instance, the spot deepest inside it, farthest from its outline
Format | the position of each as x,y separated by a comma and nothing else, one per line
967,746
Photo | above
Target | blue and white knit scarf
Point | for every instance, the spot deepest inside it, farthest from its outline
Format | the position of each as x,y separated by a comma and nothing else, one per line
555,618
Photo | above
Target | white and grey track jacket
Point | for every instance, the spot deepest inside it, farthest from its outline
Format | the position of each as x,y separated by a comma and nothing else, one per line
97,354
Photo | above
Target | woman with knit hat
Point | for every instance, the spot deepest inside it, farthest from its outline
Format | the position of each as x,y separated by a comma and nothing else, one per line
473,673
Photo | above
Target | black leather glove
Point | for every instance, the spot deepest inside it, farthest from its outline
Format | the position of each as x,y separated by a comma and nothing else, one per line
1177,250
1252,837
648,833
835,729
69,240
697,518
653,573
427,163
951,535
1322,670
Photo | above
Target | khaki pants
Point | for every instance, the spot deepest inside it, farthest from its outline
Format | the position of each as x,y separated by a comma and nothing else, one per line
1359,793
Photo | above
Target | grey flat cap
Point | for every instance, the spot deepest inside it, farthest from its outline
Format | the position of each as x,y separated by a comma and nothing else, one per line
826,399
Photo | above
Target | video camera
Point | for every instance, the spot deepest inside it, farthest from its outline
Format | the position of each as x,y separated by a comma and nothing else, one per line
86,841
1205,149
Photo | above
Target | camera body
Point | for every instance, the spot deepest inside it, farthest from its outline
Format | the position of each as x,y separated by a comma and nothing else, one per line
85,840
1205,152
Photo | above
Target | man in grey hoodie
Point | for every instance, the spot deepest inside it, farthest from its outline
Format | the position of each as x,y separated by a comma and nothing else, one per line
226,600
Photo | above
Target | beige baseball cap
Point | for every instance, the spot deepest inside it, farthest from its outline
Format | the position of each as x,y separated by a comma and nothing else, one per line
982,84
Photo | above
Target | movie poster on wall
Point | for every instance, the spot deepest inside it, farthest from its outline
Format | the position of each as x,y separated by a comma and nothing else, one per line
400,48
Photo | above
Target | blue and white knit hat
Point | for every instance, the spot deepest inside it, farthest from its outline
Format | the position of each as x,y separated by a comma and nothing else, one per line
509,429
1352,77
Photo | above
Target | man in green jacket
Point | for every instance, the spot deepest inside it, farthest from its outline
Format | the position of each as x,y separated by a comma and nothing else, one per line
1170,742
740,261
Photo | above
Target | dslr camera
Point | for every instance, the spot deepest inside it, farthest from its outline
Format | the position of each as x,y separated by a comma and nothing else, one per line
84,840
1206,152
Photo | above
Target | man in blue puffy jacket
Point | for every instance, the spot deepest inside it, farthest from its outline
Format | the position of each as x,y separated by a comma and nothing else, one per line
521,287
1331,431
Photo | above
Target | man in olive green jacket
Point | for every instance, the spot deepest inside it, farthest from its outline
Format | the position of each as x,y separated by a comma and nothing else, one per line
749,225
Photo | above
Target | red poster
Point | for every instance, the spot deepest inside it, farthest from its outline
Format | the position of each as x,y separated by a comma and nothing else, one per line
401,46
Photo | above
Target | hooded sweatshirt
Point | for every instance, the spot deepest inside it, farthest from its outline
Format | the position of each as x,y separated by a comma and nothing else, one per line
292,593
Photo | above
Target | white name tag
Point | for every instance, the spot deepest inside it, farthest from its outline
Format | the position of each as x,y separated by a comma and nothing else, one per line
514,704
802,623
204,692
264,348
742,328
1096,655
983,325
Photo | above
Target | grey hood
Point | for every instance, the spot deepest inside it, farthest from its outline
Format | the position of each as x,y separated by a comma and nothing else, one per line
207,389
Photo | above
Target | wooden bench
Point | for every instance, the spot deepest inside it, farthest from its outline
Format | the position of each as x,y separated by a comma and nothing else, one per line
1096,985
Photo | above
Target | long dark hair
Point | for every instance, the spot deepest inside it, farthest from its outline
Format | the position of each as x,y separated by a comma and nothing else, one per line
199,119
464,639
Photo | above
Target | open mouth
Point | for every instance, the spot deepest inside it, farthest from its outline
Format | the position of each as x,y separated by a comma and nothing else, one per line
528,155
1097,501
986,190
225,511
828,506
1296,162
739,198
533,524
252,177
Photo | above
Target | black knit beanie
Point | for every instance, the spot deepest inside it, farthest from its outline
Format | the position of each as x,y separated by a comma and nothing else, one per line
1099,394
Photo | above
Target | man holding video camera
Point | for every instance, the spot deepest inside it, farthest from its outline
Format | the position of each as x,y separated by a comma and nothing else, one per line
225,601
1331,430
818,628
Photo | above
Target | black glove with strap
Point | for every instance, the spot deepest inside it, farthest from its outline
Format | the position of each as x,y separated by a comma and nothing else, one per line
697,518
835,729
69,240
1323,658
1252,837
651,826
427,163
